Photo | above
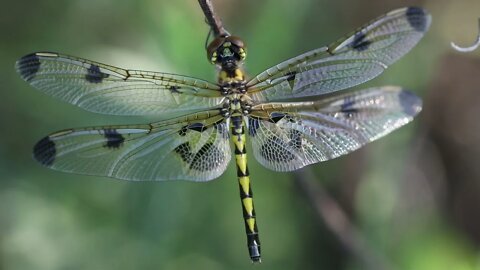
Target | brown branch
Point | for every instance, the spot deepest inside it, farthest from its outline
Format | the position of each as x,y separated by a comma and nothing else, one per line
212,19
330,212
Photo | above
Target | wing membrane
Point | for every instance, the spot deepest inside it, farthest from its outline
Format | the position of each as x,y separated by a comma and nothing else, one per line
289,136
110,90
193,147
361,56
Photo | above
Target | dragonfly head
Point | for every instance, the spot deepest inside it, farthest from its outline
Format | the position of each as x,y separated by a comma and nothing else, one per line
227,52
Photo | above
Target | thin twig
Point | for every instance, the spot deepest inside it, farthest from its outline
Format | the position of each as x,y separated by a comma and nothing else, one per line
212,19
475,45
330,212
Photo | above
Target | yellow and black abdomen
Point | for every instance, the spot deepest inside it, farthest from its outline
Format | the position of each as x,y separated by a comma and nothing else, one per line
246,195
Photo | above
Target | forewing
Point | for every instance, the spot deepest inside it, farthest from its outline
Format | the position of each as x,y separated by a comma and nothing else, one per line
194,148
289,136
106,89
357,58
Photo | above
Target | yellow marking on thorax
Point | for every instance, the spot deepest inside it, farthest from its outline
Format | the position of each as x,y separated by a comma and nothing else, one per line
225,77
239,76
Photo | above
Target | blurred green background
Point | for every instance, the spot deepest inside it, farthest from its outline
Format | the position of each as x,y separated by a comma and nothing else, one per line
412,198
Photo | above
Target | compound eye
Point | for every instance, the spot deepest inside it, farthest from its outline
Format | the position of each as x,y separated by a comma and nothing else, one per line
237,42
242,53
213,47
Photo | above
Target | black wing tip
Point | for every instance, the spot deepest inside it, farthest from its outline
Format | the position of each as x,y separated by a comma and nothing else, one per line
418,18
28,66
44,151
411,103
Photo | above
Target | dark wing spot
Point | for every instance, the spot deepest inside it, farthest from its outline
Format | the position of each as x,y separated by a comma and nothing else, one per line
183,131
275,149
295,139
417,18
114,139
174,89
348,106
198,160
253,125
411,104
291,75
360,43
291,78
200,164
275,117
222,129
290,119
28,66
197,127
185,151
44,151
94,75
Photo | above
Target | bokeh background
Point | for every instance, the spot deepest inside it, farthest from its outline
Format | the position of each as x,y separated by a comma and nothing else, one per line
408,201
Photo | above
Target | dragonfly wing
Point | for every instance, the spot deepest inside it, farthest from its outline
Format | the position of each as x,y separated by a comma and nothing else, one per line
357,58
194,147
289,136
107,89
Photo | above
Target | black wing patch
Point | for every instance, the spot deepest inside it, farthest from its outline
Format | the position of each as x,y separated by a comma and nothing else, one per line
360,43
28,66
196,160
44,151
94,75
417,18
114,139
199,127
253,125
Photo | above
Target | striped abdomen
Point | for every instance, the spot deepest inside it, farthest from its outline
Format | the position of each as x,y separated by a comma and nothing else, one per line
238,137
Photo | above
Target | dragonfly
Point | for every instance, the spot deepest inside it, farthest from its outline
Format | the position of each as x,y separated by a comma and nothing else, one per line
292,113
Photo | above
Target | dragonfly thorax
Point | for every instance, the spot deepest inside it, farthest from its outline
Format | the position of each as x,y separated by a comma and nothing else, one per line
231,85
236,105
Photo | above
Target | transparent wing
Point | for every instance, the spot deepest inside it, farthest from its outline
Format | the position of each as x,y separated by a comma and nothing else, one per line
195,148
289,136
355,59
106,89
